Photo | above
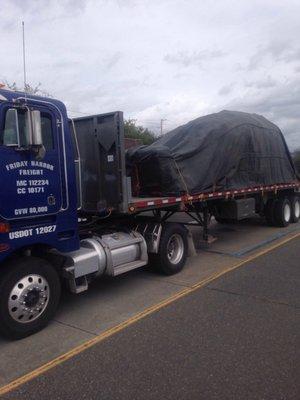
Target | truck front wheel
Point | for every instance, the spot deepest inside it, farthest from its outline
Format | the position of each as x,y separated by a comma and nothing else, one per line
29,296
173,249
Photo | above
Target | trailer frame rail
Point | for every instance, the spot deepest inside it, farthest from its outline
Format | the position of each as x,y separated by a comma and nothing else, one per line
139,204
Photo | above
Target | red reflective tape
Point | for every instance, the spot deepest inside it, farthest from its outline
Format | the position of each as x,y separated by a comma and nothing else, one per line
203,196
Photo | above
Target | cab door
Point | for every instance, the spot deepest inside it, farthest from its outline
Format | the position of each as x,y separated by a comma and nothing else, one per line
31,182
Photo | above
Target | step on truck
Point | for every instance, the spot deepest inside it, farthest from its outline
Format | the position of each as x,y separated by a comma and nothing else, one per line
67,213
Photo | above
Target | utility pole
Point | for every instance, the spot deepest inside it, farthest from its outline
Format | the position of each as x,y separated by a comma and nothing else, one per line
161,125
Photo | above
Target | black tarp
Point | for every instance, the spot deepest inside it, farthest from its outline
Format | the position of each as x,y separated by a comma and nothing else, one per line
225,150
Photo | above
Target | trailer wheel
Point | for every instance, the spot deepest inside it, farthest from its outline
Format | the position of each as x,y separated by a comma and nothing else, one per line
30,291
295,205
270,212
173,249
282,212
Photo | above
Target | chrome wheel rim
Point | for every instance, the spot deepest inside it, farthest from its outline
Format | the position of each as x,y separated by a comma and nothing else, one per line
287,212
175,249
29,298
297,209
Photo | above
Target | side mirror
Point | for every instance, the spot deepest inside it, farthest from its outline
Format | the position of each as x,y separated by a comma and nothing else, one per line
36,134
36,128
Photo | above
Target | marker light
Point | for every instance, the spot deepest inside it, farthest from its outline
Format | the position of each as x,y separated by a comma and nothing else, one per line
4,227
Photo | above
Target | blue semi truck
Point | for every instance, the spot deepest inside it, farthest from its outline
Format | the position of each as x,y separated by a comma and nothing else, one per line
67,212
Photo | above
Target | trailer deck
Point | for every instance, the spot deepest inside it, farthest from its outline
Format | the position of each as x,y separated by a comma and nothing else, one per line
139,204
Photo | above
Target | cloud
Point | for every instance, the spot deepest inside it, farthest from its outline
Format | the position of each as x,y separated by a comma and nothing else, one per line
197,58
279,51
225,90
112,60
179,108
280,103
265,83
159,59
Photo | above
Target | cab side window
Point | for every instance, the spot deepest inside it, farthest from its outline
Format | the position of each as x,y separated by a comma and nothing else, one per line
10,133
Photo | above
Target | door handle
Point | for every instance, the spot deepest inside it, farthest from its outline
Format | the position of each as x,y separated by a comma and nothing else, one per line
51,200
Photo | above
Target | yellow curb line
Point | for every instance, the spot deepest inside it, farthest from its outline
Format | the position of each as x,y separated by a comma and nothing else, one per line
91,342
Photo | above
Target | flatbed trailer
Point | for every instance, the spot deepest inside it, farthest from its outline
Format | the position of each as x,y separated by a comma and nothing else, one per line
140,204
224,206
67,213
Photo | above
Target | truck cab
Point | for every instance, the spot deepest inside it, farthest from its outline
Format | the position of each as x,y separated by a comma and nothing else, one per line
38,200
63,202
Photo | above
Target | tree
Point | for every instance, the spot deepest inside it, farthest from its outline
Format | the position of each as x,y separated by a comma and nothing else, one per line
35,90
134,131
296,158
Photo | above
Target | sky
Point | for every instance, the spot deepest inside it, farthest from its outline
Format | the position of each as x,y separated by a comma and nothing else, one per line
170,60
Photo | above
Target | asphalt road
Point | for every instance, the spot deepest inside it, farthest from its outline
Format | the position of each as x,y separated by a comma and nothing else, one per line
237,338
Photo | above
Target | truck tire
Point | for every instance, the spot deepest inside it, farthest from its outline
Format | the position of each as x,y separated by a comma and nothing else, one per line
282,212
295,205
30,292
269,212
173,249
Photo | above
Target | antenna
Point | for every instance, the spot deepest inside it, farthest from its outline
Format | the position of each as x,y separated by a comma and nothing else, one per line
24,59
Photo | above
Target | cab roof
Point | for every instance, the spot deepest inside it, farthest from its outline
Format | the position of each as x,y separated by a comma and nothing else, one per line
11,95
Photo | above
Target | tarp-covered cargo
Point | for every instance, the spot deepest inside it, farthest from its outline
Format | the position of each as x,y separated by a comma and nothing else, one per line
226,150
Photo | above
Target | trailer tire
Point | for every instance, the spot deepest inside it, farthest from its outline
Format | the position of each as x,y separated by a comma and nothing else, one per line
295,205
270,212
30,291
282,212
173,249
